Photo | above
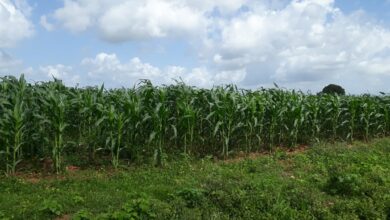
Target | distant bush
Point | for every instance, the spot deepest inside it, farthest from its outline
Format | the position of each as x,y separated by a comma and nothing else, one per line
333,89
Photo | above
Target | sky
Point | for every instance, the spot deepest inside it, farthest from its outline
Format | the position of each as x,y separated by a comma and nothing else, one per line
297,44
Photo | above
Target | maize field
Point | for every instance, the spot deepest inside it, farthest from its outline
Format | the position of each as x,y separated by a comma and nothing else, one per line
50,120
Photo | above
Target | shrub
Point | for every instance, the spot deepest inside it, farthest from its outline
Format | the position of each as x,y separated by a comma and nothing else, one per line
136,209
51,207
82,215
333,89
343,182
192,197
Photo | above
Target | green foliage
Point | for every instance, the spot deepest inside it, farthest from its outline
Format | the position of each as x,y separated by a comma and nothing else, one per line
78,199
146,123
51,207
136,209
341,183
13,122
3,216
333,90
82,215
338,181
192,197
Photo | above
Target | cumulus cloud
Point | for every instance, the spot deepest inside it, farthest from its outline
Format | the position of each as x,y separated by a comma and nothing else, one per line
14,23
223,6
149,19
12,66
305,41
296,43
123,20
109,69
62,72
77,16
59,71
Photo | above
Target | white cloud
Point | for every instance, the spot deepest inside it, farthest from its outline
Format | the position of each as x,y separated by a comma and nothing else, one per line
230,76
198,77
222,6
14,24
123,20
58,71
62,72
308,41
295,43
23,6
149,19
45,24
77,15
109,69
126,20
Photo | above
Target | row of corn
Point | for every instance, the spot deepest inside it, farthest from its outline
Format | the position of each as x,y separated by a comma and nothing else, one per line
48,119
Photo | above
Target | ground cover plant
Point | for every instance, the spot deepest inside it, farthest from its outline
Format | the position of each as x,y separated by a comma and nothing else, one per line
48,121
180,152
324,181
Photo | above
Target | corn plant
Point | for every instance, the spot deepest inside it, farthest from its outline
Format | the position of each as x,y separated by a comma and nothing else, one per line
55,104
353,106
13,121
225,112
253,121
188,113
160,116
296,118
132,110
115,122
147,122
89,105
312,120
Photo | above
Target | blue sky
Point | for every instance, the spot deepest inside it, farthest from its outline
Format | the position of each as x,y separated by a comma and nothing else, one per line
298,44
377,9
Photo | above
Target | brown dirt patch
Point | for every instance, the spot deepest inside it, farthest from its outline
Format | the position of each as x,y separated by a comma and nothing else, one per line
64,217
254,155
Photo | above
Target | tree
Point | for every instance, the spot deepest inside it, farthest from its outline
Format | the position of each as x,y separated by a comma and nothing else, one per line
333,89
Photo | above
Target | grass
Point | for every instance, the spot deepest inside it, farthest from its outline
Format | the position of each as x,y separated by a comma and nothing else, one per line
326,181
